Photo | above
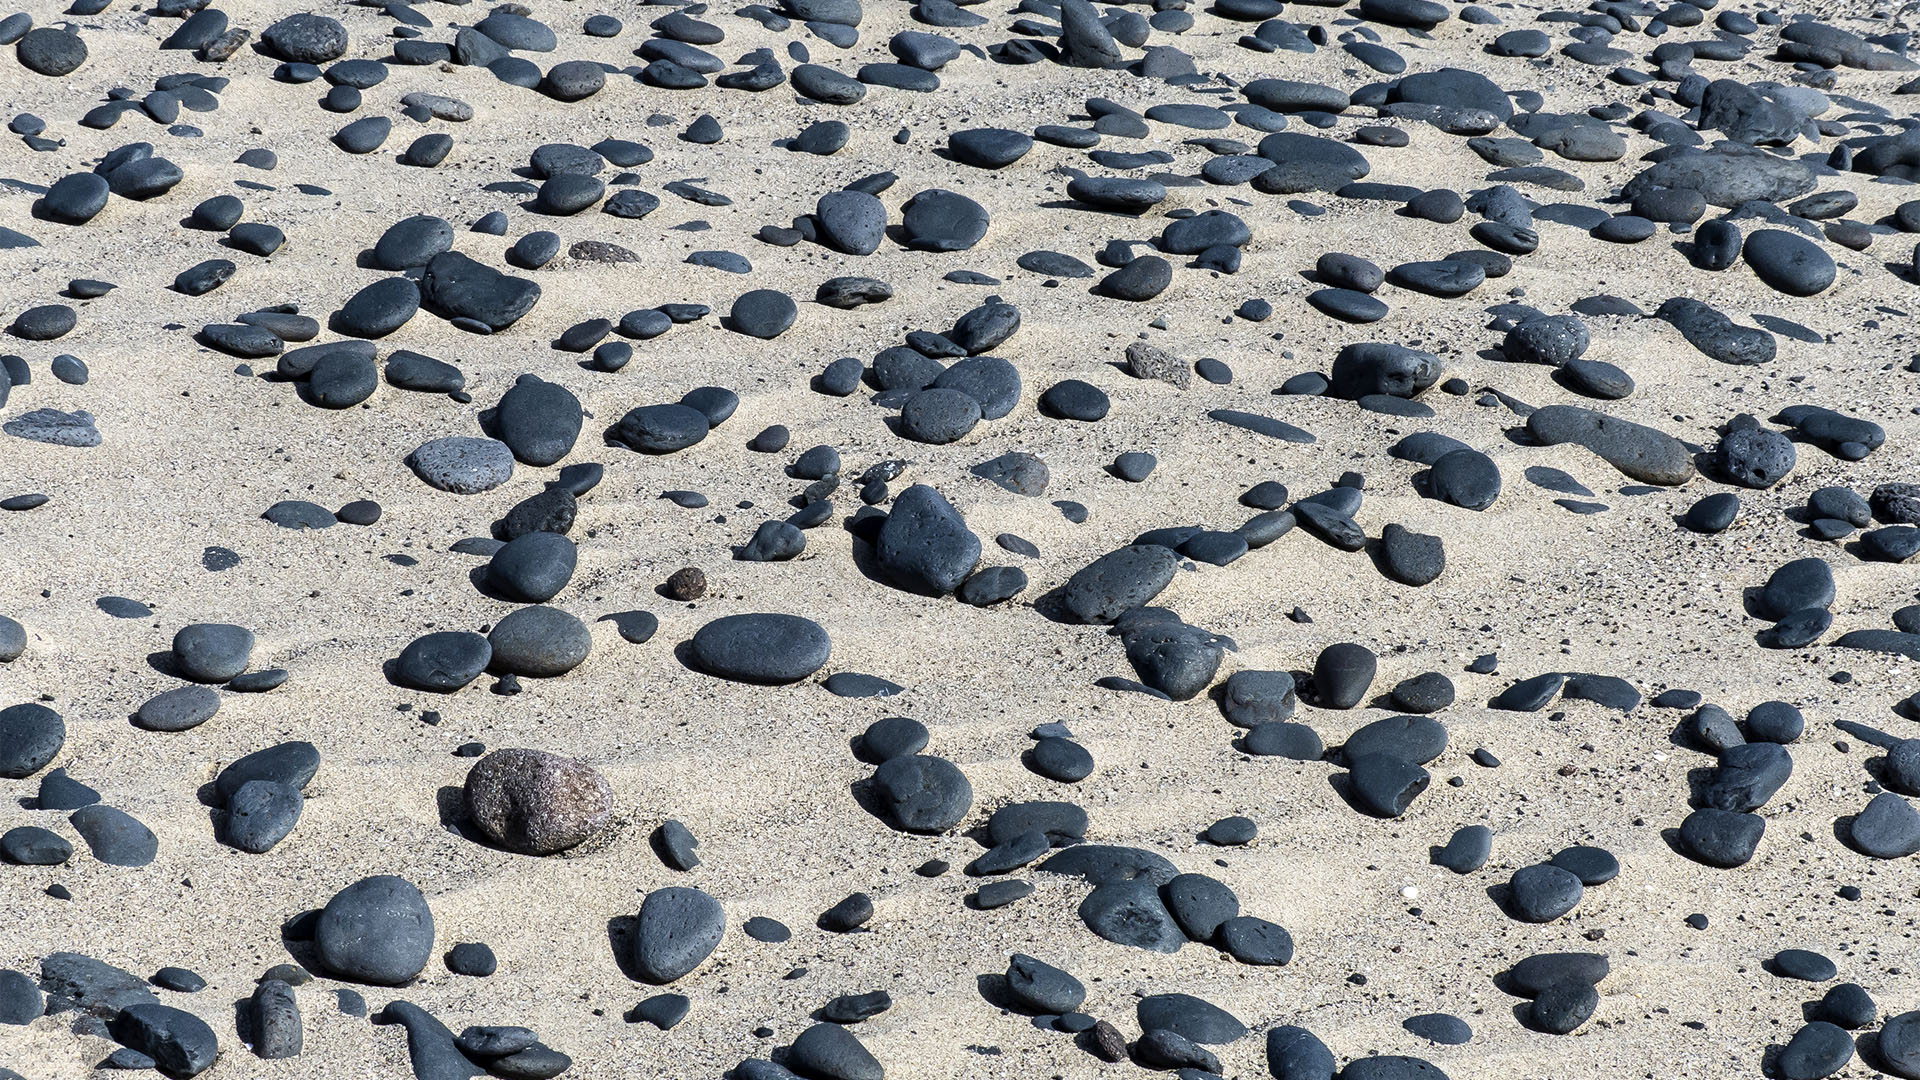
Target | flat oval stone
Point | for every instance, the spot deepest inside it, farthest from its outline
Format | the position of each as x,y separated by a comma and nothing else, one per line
179,709
1788,262
761,648
541,642
212,652
1544,892
463,465
291,764
30,845
443,661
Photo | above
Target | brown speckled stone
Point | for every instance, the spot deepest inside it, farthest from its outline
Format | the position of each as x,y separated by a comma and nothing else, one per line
537,803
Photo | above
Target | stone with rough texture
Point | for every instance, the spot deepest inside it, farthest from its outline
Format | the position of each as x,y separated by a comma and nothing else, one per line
537,803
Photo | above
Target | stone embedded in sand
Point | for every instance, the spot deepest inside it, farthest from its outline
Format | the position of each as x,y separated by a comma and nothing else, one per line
212,652
761,648
537,803
463,464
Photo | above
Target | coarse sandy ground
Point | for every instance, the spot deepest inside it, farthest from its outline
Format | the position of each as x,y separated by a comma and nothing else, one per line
193,454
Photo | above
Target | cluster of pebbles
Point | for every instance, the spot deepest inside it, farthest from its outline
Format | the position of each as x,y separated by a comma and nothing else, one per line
325,208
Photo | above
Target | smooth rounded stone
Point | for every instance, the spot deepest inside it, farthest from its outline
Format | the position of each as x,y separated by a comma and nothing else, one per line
939,416
1042,988
1775,722
1888,828
1466,851
1073,399
1253,940
412,242
1840,503
831,1052
1722,838
851,222
989,380
30,845
1411,558
826,85
1128,195
378,930
179,709
1596,379
538,420
921,793
1061,759
761,648
460,288
1817,1050
893,737
1415,739
1849,1006
30,735
537,803
662,429
1802,964
1747,776
261,813
1643,453
1278,738
1131,913
1118,582
677,929
1797,586
1199,905
1563,1007
992,585
1348,305
925,546
1788,262
290,764
378,310
114,836
1342,674
1713,514
178,979
212,652
1543,892
989,148
1465,478
463,465
50,51
443,661
1234,831
1755,457
1592,865
1445,278
534,250
941,220
1140,280
773,541
541,642
75,199
365,135
569,193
